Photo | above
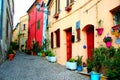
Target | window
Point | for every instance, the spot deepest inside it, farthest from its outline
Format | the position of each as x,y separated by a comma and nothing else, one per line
78,30
69,2
57,9
24,26
57,32
69,5
117,17
38,24
52,45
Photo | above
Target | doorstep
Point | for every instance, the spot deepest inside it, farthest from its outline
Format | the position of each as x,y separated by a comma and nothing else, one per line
84,73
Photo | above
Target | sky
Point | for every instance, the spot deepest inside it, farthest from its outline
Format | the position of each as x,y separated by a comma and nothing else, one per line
21,7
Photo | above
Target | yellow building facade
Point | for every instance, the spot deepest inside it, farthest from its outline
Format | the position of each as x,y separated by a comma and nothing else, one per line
16,33
23,33
73,23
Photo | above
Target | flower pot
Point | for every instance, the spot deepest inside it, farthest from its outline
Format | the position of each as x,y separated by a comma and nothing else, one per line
52,59
79,68
99,31
94,76
71,65
108,44
11,56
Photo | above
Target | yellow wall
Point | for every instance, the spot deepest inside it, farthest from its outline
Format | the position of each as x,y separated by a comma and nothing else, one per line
88,12
23,20
16,33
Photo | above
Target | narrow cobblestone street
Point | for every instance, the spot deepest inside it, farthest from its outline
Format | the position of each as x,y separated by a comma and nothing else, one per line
27,67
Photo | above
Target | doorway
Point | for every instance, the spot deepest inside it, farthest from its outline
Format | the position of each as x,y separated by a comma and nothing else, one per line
89,29
90,40
68,43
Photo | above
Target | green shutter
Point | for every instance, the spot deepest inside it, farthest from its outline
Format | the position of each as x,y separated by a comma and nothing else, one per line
38,24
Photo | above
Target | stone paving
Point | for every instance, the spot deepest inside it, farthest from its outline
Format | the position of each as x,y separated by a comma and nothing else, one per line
27,67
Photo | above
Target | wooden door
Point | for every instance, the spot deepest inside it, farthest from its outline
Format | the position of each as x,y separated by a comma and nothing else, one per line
69,44
90,41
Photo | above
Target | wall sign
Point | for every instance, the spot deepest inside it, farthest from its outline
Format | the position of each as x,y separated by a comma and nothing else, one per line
78,24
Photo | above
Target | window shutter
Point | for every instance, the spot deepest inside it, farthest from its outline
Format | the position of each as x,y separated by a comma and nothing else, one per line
78,34
58,38
52,40
38,24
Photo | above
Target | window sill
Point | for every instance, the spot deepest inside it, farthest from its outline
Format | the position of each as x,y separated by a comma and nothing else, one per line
56,15
116,27
69,7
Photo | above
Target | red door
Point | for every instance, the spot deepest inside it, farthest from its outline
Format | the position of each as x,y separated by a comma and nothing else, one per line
69,44
90,41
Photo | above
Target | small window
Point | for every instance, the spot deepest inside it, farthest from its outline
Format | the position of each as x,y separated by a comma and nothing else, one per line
117,17
69,2
57,9
38,24
24,26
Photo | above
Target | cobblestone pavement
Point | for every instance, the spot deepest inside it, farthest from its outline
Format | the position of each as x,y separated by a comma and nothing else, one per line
27,67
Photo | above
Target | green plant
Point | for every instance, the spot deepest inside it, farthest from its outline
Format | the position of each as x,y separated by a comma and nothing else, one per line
72,60
10,51
99,58
79,61
36,48
47,52
51,54
100,23
90,63
113,66
14,45
107,39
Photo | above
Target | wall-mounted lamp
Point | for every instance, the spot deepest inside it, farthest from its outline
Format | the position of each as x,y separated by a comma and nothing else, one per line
38,6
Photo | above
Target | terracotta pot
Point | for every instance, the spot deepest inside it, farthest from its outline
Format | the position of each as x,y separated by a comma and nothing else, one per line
11,56
99,31
108,44
34,54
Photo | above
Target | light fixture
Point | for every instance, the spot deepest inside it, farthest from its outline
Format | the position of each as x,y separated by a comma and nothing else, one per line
38,6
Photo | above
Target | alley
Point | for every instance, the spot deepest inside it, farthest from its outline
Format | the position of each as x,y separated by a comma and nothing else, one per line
27,67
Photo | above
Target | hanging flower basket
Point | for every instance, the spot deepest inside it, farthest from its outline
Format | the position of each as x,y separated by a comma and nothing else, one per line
108,41
99,31
108,44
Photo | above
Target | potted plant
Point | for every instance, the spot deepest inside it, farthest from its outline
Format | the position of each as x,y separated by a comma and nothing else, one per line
79,63
11,54
51,57
89,65
71,64
47,52
107,40
100,29
35,48
113,65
